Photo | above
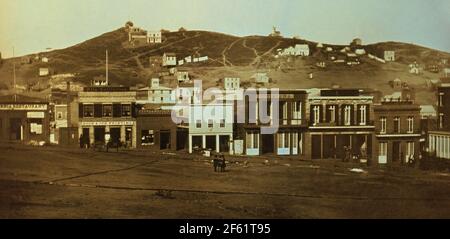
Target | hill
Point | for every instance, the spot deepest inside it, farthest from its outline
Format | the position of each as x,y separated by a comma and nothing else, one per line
228,56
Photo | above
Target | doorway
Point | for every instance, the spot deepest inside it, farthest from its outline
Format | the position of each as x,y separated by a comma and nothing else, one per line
395,151
224,143
164,139
267,143
99,134
115,135
16,129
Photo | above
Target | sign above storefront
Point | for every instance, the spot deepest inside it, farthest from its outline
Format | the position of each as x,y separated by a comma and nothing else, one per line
106,123
35,115
18,106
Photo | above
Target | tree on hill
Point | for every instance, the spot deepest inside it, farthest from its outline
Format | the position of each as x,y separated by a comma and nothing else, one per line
182,29
165,31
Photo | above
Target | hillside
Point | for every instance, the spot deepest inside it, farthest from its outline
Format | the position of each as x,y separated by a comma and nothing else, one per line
228,56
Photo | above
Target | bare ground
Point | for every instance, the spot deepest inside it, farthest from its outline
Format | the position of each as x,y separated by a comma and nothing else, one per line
53,182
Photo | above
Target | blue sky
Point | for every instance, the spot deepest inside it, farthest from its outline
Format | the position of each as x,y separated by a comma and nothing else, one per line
33,25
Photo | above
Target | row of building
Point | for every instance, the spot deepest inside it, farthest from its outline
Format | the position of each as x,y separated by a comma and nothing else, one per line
310,124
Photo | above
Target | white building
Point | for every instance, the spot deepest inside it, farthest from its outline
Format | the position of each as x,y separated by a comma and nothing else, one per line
169,59
232,83
155,94
439,142
44,72
389,55
154,37
44,59
447,72
360,51
302,50
211,127
183,76
260,77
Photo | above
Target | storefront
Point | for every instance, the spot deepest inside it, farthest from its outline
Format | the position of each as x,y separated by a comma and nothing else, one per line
24,121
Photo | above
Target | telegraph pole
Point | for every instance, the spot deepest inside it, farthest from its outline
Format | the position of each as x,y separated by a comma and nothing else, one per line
107,81
14,75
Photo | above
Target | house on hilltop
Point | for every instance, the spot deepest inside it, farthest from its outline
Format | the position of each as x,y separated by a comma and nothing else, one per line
389,55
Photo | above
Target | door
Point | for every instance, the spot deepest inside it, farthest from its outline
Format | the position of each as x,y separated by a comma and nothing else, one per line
396,151
316,147
115,134
267,143
164,139
15,129
99,134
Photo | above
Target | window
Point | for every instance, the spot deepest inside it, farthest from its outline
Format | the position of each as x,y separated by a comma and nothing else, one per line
409,150
396,124
284,113
441,120
410,124
316,112
332,113
126,110
383,149
283,140
35,126
296,113
147,137
252,140
210,123
362,111
441,99
222,123
198,124
383,125
88,110
347,115
107,110
60,115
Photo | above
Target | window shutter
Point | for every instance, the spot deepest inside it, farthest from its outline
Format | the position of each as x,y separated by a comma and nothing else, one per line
80,110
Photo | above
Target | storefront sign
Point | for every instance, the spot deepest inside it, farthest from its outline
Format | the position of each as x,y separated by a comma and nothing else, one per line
23,106
106,123
35,115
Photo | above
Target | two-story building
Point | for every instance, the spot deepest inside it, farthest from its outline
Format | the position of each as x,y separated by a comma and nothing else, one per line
397,131
107,113
339,119
211,127
439,140
273,122
155,93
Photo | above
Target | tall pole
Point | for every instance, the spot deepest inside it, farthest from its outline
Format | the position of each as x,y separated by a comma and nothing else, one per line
107,82
14,75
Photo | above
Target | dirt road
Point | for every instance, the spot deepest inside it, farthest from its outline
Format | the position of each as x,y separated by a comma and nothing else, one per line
52,182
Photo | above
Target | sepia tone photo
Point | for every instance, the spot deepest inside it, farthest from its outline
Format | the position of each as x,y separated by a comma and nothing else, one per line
146,109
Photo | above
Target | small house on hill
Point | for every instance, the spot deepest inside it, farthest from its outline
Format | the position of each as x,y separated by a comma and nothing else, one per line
260,77
169,59
389,55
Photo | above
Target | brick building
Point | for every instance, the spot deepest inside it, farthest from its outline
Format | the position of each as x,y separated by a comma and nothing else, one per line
439,140
339,119
107,112
397,131
292,123
156,130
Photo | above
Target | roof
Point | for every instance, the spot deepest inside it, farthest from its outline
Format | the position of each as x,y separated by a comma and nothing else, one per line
21,99
427,110
169,54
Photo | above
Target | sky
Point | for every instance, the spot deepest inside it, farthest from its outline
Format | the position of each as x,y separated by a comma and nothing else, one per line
30,26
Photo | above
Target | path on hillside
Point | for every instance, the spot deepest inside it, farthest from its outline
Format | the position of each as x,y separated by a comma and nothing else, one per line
224,53
257,59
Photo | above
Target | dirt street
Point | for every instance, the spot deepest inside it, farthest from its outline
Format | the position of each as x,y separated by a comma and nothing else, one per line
55,182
